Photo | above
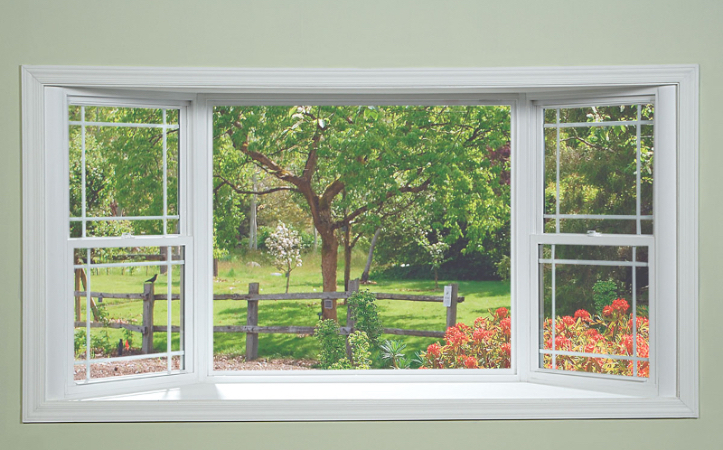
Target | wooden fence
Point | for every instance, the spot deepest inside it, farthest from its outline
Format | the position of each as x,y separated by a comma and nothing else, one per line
252,327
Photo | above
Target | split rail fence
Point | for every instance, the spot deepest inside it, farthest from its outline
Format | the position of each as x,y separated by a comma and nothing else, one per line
252,327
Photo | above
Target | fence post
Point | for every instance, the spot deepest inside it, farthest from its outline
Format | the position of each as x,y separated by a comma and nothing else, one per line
452,308
149,299
252,318
353,287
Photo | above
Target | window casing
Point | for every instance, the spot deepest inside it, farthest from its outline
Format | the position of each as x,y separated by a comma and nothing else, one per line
458,395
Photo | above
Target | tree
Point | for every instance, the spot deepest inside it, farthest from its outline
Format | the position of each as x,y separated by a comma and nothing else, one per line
373,155
285,246
436,252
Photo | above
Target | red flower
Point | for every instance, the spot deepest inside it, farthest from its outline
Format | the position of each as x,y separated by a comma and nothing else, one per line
506,325
501,313
562,343
470,362
568,321
434,350
582,315
507,349
480,335
593,334
620,305
607,311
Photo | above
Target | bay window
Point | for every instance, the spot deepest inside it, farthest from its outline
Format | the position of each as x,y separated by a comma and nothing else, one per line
603,260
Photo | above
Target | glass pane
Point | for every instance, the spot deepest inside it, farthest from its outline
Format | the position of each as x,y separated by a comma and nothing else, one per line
116,114
129,293
646,170
598,169
111,228
113,369
598,365
594,305
117,167
598,114
379,152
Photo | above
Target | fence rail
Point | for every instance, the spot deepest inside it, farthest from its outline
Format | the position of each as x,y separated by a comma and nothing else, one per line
252,327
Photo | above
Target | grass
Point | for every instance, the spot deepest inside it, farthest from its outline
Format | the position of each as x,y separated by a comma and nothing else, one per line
235,274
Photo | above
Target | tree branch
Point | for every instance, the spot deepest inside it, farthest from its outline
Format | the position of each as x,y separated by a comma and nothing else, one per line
359,211
244,191
330,192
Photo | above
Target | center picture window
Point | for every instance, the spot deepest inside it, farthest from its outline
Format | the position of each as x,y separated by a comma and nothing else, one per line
331,221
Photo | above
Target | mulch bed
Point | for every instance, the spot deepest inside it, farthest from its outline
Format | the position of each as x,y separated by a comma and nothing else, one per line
220,362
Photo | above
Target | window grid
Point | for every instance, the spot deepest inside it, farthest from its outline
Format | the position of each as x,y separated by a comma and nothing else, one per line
169,354
84,219
633,264
638,217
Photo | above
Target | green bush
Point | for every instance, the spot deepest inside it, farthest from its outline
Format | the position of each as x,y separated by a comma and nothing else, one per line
331,343
364,312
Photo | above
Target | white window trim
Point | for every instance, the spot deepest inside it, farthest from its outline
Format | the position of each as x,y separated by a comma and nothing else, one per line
386,398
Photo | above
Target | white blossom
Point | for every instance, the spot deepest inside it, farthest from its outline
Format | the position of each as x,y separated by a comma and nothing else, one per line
284,245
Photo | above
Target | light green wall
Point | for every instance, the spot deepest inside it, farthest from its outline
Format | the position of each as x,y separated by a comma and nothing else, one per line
365,33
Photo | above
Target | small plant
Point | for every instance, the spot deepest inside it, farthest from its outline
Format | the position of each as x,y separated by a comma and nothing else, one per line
101,341
393,354
102,314
128,335
361,356
331,344
603,293
284,245
364,312
79,339
436,252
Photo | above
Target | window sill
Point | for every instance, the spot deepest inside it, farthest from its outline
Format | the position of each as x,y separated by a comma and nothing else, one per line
358,401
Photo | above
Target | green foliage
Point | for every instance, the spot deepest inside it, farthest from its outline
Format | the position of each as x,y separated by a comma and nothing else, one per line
128,335
392,353
361,357
604,292
504,267
79,341
103,314
365,314
446,163
332,347
101,341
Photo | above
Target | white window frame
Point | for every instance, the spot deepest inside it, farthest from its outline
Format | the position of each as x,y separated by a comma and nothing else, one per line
522,392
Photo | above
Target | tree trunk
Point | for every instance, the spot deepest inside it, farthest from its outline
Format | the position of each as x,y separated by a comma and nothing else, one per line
253,240
329,249
347,257
163,256
215,267
288,277
436,283
367,268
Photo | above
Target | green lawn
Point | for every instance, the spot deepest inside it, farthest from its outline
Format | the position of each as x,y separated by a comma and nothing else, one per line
235,274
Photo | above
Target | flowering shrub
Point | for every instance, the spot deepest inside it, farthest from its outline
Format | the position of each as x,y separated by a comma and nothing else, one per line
609,334
486,344
284,245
